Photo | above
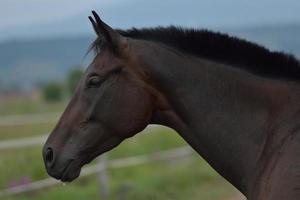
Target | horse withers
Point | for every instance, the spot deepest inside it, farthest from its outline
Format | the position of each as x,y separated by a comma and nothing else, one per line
236,103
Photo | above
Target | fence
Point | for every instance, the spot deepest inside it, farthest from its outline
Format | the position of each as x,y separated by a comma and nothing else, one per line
28,119
100,168
177,153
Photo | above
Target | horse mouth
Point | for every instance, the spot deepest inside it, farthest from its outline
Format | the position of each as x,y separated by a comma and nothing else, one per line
71,172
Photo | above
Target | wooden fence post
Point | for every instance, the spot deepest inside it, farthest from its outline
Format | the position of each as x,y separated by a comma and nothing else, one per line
103,177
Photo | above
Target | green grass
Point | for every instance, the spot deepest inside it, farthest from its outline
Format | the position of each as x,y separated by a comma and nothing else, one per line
152,181
27,106
140,144
148,141
14,164
182,179
23,131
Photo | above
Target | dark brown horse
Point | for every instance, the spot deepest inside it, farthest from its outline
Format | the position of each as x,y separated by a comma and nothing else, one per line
236,103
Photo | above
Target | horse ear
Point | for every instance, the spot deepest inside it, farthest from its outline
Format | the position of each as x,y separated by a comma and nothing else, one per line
112,37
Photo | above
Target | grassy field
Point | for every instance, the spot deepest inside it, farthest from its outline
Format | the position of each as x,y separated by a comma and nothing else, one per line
182,179
28,106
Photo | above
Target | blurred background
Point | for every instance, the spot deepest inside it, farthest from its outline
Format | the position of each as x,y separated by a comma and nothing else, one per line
42,48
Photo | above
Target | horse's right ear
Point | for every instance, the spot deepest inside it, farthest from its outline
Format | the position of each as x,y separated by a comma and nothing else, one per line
112,37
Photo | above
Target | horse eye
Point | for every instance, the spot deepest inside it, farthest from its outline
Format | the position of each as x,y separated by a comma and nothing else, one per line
94,81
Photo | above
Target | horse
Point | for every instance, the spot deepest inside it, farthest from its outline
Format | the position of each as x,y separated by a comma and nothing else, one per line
236,103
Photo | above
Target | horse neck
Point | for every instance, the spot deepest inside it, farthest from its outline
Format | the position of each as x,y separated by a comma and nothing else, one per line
219,110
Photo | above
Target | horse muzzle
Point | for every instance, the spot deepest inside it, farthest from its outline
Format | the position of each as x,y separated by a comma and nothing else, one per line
64,169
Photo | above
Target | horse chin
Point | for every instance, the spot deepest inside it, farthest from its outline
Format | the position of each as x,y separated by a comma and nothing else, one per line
73,169
71,172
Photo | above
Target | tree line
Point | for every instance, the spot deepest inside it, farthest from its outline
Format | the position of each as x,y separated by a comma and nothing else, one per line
56,91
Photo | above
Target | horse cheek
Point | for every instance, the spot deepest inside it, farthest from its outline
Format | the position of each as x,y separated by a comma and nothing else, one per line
135,114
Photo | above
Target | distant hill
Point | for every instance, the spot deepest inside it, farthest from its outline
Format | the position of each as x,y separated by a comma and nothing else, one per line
27,63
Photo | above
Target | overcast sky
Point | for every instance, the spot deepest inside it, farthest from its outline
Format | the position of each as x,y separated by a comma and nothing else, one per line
30,18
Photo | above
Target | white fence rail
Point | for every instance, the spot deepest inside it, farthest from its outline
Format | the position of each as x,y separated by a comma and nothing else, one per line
35,141
21,143
16,120
100,168
177,153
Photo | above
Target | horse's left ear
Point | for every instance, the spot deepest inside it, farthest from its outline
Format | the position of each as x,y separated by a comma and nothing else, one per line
111,36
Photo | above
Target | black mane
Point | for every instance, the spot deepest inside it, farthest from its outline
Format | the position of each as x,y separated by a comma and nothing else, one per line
222,48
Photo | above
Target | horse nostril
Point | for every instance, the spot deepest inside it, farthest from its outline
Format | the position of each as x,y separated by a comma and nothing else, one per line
49,157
